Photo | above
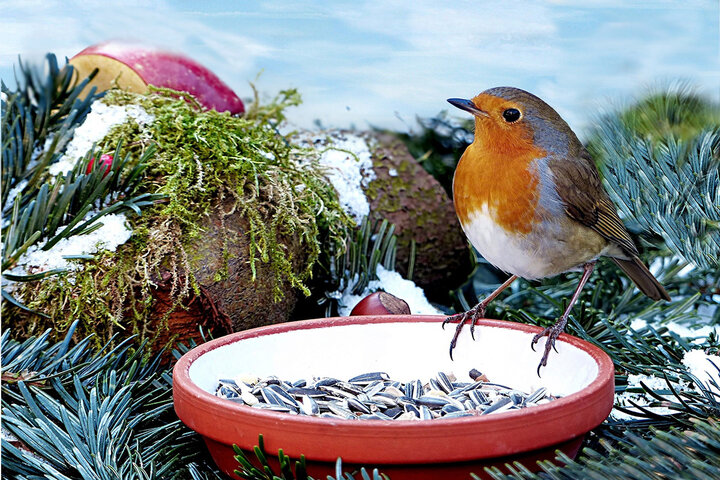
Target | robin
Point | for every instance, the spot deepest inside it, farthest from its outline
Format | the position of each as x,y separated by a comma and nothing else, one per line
530,200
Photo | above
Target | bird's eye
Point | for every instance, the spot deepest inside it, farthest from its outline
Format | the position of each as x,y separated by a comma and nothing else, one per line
511,115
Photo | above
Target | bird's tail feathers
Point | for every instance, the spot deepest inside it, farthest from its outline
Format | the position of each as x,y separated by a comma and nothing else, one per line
645,281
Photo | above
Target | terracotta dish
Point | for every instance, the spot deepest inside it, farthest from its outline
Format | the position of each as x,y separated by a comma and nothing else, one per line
406,347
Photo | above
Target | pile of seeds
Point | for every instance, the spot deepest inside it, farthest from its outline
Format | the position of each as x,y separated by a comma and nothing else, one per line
374,396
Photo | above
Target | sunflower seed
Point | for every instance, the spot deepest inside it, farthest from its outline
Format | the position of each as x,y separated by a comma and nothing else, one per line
367,378
478,397
536,395
385,399
444,382
271,380
349,387
283,395
394,391
310,392
393,412
412,409
432,401
341,411
410,389
338,392
373,388
326,382
460,413
271,397
358,406
449,408
309,406
248,397
273,407
375,396
434,384
407,416
226,392
516,399
497,405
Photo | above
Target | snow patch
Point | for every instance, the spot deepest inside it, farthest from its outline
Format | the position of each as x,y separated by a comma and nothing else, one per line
642,399
391,282
638,324
696,334
704,367
653,383
96,126
113,232
347,162
14,191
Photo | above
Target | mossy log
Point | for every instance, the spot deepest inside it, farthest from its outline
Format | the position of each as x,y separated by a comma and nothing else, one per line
223,272
231,240
412,200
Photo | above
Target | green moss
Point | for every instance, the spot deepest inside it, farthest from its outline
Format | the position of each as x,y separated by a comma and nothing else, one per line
203,159
205,155
96,294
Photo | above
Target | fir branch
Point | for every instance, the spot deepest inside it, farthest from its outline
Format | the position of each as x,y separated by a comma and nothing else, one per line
63,210
47,101
677,454
87,413
667,185
45,210
247,471
603,316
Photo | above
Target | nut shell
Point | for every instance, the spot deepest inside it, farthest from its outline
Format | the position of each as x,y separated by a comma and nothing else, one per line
381,303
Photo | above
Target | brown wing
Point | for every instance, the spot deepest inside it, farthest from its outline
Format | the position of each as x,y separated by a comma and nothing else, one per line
578,183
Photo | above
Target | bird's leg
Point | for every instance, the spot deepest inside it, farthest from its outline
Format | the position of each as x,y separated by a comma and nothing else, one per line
554,332
474,314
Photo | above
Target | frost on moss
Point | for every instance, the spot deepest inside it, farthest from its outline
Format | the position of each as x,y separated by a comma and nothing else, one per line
205,160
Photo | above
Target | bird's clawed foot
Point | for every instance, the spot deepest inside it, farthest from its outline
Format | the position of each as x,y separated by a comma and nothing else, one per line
552,334
472,315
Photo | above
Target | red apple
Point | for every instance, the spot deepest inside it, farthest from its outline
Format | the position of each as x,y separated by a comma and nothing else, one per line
134,67
381,303
105,160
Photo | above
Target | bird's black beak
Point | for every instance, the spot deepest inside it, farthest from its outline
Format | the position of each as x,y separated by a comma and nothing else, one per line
467,105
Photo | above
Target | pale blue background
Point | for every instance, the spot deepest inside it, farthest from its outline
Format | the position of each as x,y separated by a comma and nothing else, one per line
385,62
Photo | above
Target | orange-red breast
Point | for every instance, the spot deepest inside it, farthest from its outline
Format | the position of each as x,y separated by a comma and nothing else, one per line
530,200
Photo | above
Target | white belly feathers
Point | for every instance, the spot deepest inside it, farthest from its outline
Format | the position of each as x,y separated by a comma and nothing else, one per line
512,254
539,254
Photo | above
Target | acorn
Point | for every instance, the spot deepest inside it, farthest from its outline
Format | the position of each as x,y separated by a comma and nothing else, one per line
381,303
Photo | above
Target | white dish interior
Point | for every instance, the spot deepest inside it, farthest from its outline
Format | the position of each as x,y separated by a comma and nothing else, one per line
406,351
